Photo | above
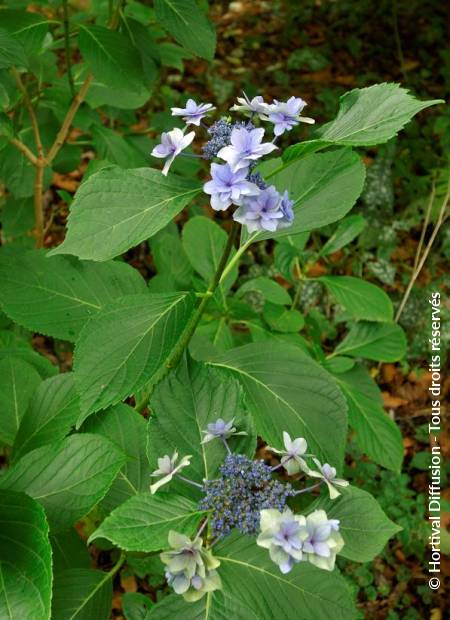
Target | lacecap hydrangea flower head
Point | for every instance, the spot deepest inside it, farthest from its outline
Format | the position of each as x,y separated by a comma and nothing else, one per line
249,497
237,147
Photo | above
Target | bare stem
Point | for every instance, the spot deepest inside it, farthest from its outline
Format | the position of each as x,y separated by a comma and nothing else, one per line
425,224
189,481
24,150
66,25
428,247
39,203
307,489
65,127
31,112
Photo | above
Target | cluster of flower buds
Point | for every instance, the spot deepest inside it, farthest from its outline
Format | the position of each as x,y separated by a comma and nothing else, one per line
240,145
190,568
245,496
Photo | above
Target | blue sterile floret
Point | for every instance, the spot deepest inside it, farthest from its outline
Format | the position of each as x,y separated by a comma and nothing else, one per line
243,489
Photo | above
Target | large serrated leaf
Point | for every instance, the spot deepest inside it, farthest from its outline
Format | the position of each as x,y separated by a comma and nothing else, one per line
363,525
81,594
52,413
361,299
25,558
188,25
116,209
367,116
18,381
288,391
57,295
376,434
305,593
126,428
121,349
324,187
68,477
143,522
382,342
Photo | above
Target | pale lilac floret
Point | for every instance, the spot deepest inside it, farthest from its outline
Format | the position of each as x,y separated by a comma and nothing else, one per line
168,468
261,212
172,143
246,147
257,105
282,533
328,475
293,453
220,430
193,113
286,208
227,187
322,541
286,114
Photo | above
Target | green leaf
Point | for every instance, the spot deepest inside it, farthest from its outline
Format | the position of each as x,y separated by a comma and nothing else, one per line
382,342
287,391
367,116
349,228
373,115
127,429
25,558
116,148
121,349
68,477
188,25
143,522
28,28
169,256
377,435
361,299
204,242
69,551
136,606
18,381
283,319
182,407
116,209
111,57
81,594
11,346
12,53
269,289
17,216
306,592
56,296
218,605
52,413
324,187
364,526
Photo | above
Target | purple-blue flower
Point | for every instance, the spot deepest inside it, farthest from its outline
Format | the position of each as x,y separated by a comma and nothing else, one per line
261,212
282,534
172,143
246,147
227,187
193,113
286,114
287,211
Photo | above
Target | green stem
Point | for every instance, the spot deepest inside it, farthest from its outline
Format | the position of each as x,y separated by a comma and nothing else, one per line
67,47
237,256
190,328
298,290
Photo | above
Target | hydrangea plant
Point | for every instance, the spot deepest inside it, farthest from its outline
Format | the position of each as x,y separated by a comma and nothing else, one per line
199,434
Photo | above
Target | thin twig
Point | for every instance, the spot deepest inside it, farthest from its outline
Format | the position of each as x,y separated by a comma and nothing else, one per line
65,127
398,41
31,112
39,203
66,24
428,247
425,224
24,150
